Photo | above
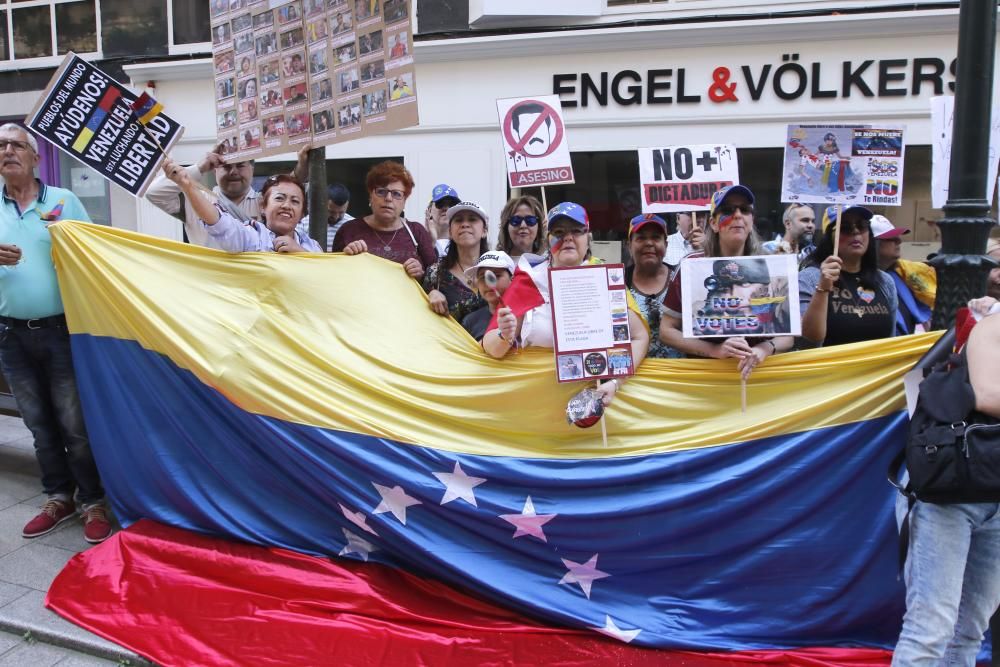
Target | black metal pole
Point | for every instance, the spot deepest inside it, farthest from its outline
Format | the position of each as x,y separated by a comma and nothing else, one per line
962,266
318,196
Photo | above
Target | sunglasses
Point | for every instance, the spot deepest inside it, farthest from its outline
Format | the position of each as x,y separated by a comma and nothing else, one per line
575,232
854,227
518,220
730,209
445,204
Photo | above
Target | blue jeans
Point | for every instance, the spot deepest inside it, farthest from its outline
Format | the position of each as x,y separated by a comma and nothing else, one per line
38,366
952,577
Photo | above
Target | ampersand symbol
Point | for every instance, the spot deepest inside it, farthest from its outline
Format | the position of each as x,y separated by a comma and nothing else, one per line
722,90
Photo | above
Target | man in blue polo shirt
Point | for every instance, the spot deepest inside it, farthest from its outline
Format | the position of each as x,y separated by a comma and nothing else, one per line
34,340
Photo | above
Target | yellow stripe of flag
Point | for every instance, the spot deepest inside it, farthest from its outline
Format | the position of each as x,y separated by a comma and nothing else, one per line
151,114
81,141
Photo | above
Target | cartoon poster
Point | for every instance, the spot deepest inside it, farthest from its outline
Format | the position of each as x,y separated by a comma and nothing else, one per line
683,178
534,141
319,71
740,296
843,164
590,322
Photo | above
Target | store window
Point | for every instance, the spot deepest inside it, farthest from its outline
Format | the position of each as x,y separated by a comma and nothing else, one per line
91,188
46,28
131,29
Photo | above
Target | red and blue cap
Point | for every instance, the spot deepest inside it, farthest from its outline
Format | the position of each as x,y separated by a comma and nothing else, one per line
640,221
568,209
719,198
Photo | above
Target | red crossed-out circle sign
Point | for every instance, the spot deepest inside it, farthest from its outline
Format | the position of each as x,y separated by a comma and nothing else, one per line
547,114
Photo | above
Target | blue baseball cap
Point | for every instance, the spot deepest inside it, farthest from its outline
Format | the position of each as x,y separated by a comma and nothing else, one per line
830,214
568,209
641,221
720,196
442,191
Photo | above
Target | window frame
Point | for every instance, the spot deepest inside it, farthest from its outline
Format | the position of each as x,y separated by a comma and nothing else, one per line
14,63
181,49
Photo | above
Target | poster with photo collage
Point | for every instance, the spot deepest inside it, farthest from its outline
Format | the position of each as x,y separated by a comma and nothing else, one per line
320,71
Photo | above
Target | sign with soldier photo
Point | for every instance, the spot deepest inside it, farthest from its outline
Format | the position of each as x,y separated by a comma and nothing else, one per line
317,71
740,296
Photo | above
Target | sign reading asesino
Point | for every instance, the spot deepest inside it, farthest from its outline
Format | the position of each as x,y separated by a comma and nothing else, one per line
683,178
89,116
534,138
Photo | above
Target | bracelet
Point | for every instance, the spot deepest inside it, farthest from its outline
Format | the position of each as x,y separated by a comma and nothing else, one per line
774,348
501,337
820,289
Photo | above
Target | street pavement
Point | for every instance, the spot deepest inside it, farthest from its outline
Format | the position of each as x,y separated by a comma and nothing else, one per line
30,634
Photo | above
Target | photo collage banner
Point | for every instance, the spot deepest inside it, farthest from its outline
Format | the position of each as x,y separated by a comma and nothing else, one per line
320,71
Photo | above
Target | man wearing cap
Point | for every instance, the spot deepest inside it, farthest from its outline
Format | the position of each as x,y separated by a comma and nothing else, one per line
35,350
800,225
501,266
648,276
443,197
338,199
916,282
234,191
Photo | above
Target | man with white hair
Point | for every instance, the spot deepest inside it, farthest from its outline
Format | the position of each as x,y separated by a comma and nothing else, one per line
34,340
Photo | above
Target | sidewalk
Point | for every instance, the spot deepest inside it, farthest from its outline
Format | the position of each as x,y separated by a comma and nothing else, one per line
27,568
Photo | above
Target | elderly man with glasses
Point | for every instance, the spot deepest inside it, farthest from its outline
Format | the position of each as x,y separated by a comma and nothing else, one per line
34,340
233,192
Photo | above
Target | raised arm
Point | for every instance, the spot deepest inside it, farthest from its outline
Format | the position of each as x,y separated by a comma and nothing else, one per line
205,209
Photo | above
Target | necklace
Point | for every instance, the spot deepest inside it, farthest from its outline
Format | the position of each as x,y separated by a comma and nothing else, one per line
465,276
387,247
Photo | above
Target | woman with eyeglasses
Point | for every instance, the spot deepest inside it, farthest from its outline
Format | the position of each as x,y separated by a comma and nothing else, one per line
284,205
569,245
385,232
846,298
521,230
729,233
648,277
448,285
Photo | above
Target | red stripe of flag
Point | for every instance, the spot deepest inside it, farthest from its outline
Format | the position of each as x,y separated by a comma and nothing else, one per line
111,96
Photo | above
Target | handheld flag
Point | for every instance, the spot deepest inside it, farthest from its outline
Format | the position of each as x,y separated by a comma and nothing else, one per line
146,108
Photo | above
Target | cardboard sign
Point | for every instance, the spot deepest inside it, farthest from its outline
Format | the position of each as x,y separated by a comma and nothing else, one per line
89,116
683,178
942,123
740,296
319,71
534,141
590,322
843,164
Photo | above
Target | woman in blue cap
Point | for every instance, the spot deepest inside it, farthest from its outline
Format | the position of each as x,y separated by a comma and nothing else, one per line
526,318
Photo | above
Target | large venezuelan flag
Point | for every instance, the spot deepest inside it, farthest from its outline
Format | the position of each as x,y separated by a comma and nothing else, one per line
314,403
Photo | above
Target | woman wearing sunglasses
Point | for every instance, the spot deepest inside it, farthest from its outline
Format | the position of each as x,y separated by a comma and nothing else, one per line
569,245
385,232
845,298
284,204
729,233
521,230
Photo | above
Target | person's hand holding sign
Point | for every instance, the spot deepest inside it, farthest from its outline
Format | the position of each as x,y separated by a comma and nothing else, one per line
829,272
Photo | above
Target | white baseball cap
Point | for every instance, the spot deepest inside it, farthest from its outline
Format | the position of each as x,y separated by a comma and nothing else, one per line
467,206
883,229
492,259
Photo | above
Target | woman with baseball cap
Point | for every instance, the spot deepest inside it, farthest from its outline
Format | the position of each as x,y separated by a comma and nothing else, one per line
648,277
447,284
526,319
729,233
844,297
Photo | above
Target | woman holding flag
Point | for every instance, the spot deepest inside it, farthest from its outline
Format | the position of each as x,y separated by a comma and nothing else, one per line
729,233
526,318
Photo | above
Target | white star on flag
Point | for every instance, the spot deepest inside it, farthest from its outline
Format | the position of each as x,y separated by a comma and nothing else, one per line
356,545
527,522
358,519
582,573
394,500
611,629
459,485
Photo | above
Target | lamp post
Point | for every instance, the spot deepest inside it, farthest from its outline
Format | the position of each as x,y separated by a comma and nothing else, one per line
962,266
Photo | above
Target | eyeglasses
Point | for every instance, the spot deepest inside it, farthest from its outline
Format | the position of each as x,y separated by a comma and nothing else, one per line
445,204
21,146
518,220
575,232
730,209
386,193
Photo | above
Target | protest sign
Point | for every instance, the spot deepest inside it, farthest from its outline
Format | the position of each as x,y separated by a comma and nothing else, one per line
740,296
89,116
590,322
534,141
942,122
843,164
683,178
287,73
